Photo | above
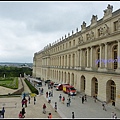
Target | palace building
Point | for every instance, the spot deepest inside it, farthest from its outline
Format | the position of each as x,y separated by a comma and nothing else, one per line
88,59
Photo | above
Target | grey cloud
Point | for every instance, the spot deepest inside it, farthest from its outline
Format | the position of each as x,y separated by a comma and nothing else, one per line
27,27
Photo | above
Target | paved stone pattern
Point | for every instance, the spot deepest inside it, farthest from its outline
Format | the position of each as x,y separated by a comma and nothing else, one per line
89,109
32,111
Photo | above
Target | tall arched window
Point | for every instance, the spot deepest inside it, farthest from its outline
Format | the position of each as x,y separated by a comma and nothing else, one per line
73,60
66,60
113,91
115,57
63,61
96,87
98,57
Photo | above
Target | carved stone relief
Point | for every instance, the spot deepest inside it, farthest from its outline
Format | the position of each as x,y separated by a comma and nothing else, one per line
104,30
80,39
92,36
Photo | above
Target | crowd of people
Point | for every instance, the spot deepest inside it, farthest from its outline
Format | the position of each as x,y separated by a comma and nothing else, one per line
62,99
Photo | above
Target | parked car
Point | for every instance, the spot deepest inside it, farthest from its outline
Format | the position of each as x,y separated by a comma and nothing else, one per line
55,84
47,81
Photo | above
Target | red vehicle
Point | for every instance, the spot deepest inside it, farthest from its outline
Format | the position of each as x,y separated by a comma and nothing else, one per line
69,90
60,86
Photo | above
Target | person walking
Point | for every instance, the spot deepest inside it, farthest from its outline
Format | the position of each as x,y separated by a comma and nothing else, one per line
25,102
60,97
63,99
103,105
85,98
69,101
50,115
20,114
3,112
42,91
82,99
46,94
29,99
49,99
112,114
115,116
55,106
44,108
39,91
23,112
95,98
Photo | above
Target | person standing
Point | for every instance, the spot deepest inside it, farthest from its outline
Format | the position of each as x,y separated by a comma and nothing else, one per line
44,108
34,100
3,112
73,116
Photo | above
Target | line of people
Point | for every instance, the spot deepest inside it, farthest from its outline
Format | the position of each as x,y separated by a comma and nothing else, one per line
24,105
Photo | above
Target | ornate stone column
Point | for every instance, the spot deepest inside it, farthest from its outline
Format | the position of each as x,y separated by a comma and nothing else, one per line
119,54
87,57
100,55
106,55
118,68
91,57
80,57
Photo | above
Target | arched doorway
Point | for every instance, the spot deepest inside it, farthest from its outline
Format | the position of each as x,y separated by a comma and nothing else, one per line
94,87
111,92
82,84
115,54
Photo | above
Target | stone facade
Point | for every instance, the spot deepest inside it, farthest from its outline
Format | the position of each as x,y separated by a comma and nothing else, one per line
88,59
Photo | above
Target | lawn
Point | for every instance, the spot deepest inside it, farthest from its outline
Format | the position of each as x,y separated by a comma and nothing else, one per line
11,82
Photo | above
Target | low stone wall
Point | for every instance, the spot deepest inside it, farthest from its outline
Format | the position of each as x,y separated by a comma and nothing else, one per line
21,87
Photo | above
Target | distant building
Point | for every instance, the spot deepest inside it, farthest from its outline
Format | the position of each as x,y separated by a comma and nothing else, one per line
88,59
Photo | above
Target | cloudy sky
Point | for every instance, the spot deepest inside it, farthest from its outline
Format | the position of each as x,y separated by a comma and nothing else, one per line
27,27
